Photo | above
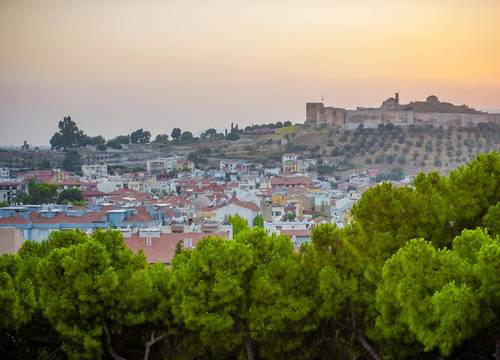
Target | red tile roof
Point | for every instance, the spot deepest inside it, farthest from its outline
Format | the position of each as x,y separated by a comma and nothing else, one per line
13,220
234,200
162,249
209,189
89,217
75,182
291,181
92,193
175,200
246,204
169,212
301,233
120,194
44,175
10,183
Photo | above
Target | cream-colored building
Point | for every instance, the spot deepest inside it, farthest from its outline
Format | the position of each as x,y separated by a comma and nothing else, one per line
11,240
94,171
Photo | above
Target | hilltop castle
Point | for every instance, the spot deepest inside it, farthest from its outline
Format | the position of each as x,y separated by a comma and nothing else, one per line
428,112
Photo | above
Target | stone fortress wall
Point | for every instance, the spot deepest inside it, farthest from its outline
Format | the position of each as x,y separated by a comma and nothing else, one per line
428,112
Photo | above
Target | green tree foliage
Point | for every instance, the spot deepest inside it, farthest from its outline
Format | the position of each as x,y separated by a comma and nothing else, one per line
187,136
123,139
39,193
239,224
209,134
475,188
68,136
289,216
161,139
395,174
72,161
491,219
227,292
114,144
118,141
233,135
94,289
17,295
258,221
96,140
72,195
176,133
140,137
410,277
333,282
441,297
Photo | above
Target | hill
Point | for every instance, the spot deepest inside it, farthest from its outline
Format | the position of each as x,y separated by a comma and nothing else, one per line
413,148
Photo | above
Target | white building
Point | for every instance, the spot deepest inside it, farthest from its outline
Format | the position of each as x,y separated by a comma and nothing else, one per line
248,211
94,171
4,172
9,189
162,165
291,163
110,183
228,165
234,166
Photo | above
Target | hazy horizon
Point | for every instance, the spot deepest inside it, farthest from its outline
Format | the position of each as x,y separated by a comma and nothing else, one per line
116,66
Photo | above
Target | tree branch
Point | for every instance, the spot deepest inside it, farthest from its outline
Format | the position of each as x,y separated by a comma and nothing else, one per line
151,342
364,343
112,352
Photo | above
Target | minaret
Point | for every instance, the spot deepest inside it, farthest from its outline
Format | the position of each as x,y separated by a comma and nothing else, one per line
397,99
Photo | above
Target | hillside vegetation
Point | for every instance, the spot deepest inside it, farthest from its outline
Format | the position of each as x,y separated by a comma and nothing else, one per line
414,148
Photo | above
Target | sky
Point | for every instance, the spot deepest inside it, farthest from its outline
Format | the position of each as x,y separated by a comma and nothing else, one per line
117,66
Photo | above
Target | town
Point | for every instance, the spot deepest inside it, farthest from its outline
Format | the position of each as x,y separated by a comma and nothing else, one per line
173,202
251,180
165,193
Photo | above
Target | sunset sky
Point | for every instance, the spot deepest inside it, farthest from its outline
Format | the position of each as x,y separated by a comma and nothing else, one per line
116,66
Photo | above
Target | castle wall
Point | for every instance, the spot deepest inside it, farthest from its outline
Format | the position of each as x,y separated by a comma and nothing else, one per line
317,114
329,114
372,118
369,118
494,118
450,119
398,117
334,116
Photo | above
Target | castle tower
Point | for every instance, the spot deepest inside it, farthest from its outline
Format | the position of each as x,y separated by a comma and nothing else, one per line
315,113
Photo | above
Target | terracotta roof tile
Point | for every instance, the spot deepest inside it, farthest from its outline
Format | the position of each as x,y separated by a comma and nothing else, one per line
14,220
301,233
289,181
162,249
89,217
